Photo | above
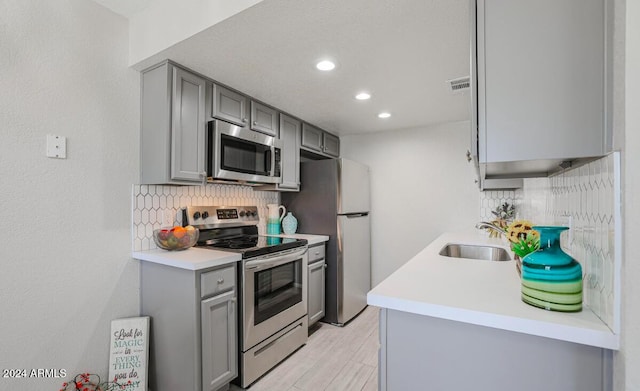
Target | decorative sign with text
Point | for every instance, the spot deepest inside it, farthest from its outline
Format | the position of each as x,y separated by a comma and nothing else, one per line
129,353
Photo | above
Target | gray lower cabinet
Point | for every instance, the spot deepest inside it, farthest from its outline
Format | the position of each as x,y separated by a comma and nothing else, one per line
172,126
264,119
219,341
320,142
424,353
316,283
229,106
193,326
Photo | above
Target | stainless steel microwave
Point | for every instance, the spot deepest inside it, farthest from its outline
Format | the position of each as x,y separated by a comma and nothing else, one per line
242,155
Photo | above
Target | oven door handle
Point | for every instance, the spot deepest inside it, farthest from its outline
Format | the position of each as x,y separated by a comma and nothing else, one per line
276,260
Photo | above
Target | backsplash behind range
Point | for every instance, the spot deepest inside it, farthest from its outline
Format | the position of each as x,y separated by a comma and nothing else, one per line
151,203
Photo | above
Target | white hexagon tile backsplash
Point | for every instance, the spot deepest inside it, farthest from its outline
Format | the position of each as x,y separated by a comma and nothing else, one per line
586,198
151,202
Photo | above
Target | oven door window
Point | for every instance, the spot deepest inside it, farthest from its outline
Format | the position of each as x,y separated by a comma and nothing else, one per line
277,289
244,156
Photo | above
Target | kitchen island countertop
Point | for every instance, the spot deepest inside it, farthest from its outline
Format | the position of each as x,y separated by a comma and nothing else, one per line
483,293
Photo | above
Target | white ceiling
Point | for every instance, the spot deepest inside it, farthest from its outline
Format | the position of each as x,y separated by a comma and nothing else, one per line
401,51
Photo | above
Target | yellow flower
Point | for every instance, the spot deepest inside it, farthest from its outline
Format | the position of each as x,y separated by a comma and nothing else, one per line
519,230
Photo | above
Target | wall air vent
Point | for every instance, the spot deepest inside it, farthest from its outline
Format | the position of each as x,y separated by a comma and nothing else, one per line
459,84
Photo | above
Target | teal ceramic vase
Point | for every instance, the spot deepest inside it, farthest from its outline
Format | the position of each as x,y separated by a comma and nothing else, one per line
289,224
551,279
550,252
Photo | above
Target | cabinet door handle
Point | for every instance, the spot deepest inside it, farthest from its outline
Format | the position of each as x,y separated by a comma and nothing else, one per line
325,265
468,156
203,175
244,120
255,122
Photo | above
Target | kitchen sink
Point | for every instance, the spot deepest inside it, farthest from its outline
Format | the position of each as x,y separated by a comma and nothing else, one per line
487,253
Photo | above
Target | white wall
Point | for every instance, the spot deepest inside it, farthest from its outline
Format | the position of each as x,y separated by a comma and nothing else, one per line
421,186
166,22
628,359
65,266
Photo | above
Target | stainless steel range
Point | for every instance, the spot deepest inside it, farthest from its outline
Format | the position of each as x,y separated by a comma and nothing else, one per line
273,285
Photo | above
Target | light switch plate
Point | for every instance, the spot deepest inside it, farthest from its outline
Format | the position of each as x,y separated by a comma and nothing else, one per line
56,146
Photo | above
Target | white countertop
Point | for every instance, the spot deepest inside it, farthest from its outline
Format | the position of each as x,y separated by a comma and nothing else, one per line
483,293
191,259
199,258
311,239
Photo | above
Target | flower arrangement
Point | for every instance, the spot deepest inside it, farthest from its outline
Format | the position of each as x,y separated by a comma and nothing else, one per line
92,382
503,215
504,212
524,239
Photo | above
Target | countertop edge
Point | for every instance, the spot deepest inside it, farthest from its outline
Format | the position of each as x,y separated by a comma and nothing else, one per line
581,335
210,258
311,238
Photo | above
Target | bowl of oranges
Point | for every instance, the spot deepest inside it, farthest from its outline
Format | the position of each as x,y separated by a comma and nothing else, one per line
176,238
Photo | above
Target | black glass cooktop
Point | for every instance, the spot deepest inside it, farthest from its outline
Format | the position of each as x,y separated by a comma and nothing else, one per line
246,241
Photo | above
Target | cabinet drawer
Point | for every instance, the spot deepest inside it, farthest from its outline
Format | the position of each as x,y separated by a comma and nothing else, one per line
316,253
217,281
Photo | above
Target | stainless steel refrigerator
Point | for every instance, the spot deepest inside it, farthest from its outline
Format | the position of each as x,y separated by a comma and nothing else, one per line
334,201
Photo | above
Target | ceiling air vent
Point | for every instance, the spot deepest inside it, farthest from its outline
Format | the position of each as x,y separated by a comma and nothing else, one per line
459,84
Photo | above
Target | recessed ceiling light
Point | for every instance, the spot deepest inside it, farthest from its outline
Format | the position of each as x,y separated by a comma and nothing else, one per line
384,114
325,65
363,96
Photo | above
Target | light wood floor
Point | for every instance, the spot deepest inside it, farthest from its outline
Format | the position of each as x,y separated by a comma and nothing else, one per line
334,359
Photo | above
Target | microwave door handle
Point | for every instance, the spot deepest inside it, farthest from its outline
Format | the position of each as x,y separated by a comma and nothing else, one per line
268,162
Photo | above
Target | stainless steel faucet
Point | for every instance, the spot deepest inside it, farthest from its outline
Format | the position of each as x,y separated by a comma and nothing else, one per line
493,227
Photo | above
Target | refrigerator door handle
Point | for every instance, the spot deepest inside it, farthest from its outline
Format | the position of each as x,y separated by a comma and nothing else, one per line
354,215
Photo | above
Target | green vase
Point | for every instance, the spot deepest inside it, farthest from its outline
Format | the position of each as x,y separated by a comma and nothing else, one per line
551,279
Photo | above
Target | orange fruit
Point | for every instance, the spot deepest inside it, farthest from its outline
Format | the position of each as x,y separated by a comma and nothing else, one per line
179,232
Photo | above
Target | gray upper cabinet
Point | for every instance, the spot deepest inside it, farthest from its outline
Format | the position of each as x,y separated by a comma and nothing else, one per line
172,126
264,119
331,145
311,138
290,137
229,106
541,83
318,141
187,135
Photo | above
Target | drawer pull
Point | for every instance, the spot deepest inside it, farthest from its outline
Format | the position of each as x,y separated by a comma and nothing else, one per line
220,280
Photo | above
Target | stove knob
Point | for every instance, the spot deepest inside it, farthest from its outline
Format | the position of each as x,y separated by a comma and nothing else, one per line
253,213
205,214
196,215
242,213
